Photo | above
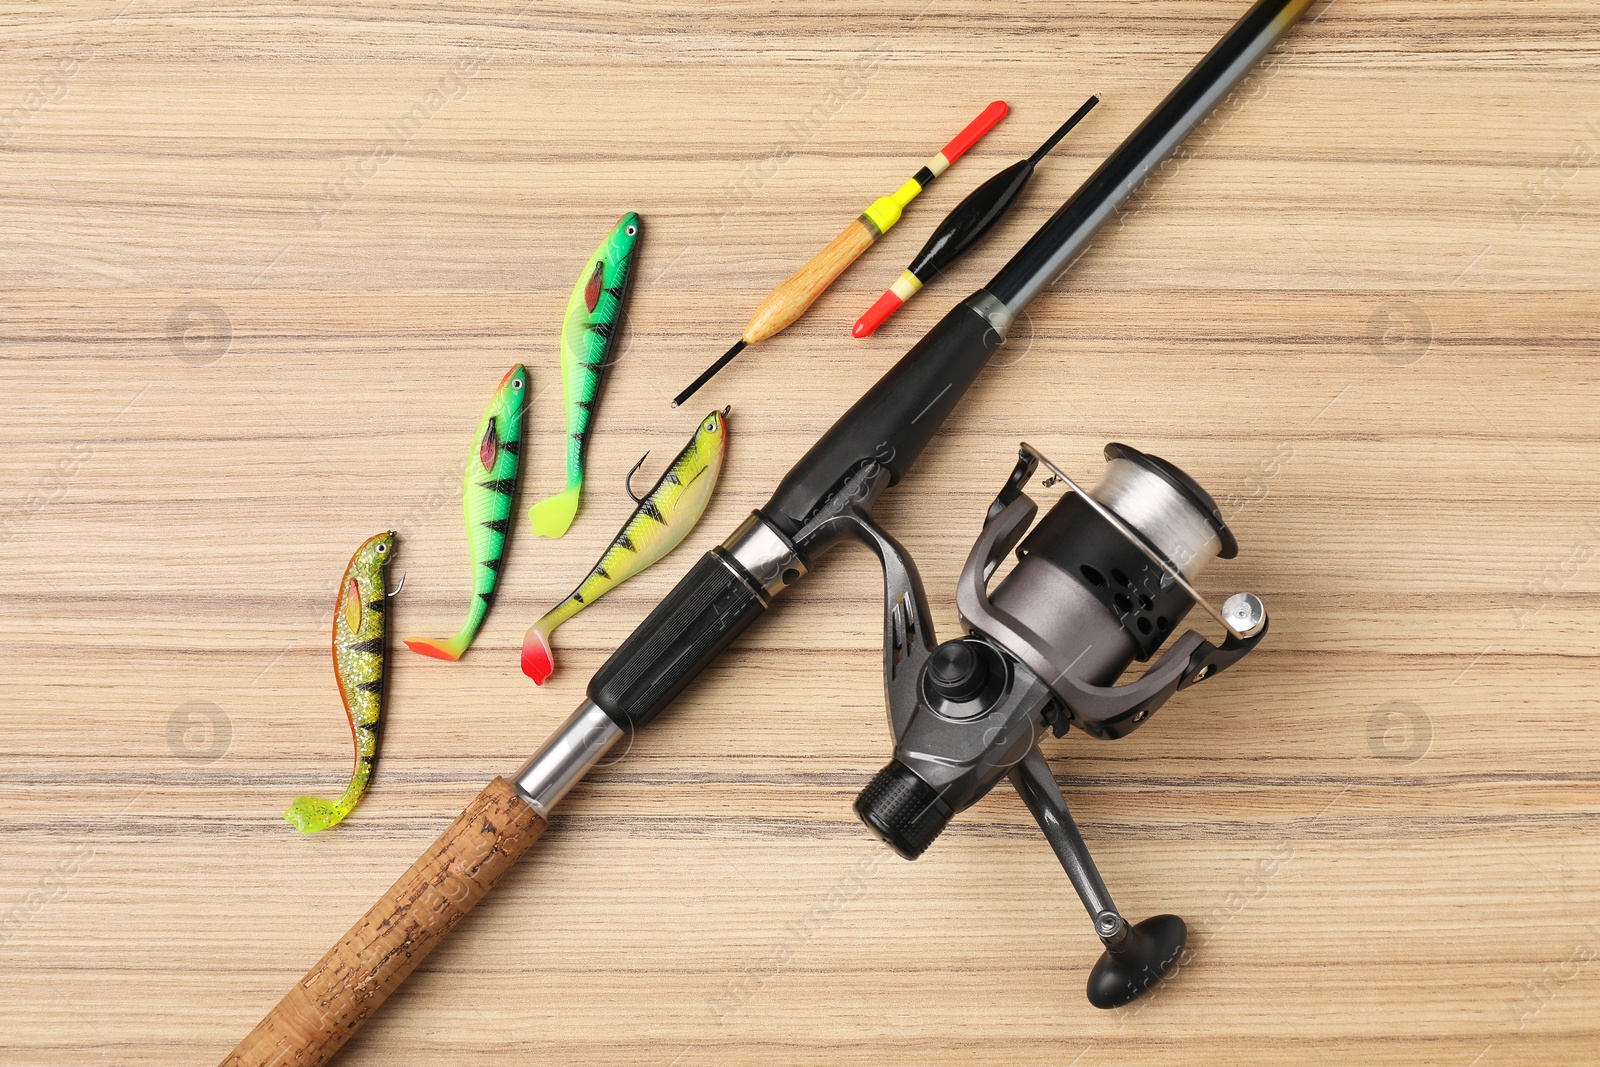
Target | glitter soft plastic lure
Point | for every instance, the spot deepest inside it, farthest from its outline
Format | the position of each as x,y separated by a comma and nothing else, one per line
488,493
593,316
358,630
662,520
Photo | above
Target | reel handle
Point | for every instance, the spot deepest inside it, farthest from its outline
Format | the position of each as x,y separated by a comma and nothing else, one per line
1036,784
1137,956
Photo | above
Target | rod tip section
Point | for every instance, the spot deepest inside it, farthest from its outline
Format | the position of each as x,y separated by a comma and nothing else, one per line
975,131
877,314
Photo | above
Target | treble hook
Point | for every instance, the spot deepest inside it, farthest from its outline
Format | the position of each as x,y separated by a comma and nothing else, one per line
396,590
628,482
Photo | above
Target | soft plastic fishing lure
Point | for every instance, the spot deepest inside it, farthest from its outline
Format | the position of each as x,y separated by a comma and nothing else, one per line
593,315
659,523
488,493
358,645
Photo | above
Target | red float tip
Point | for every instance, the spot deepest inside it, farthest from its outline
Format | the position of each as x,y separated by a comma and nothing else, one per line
975,130
887,305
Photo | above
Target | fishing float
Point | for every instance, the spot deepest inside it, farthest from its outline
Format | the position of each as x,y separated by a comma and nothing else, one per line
963,227
791,299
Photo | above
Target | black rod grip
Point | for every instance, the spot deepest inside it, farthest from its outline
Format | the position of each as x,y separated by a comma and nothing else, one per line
894,421
702,615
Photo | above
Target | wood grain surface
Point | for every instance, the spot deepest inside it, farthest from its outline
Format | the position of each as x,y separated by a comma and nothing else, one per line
264,263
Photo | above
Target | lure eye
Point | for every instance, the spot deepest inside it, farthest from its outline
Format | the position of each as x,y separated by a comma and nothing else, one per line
382,548
516,383
631,230
711,425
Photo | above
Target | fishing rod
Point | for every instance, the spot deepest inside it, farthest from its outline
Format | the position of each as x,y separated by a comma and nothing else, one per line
826,498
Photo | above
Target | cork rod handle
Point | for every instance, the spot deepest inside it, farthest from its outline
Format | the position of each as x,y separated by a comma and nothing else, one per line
385,945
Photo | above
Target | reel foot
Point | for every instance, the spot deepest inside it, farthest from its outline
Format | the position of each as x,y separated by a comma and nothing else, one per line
1146,953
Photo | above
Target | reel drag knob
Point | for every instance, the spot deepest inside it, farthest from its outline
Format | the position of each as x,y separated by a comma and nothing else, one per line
961,681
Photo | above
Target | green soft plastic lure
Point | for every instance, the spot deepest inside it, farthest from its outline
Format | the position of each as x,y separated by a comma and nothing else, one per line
487,494
593,315
358,648
659,523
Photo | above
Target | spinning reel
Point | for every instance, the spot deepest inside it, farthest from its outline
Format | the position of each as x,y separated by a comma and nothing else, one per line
1103,580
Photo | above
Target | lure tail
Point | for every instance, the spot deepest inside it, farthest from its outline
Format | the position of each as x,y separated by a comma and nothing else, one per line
450,648
538,660
552,516
310,815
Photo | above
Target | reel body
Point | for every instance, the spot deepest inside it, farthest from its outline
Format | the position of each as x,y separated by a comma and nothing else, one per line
1103,581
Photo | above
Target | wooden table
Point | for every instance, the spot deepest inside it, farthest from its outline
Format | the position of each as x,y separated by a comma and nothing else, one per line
264,263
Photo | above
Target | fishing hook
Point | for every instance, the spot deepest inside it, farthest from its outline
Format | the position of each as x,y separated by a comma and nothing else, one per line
628,481
396,591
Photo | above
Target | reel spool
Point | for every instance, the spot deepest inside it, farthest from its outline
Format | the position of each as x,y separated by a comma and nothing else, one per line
1104,580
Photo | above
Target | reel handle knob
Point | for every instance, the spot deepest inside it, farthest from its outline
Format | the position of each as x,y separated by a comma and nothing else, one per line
1136,958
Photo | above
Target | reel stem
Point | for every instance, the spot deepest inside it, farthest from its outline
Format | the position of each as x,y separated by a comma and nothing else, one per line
1036,784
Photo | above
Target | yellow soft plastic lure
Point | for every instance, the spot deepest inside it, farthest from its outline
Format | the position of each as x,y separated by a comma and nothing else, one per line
663,519
358,652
